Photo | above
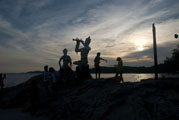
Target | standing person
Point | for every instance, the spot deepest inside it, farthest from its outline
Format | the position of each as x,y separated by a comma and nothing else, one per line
54,80
66,60
65,70
96,64
119,69
46,79
1,82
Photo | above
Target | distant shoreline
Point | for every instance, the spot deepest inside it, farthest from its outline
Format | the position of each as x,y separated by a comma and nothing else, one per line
126,69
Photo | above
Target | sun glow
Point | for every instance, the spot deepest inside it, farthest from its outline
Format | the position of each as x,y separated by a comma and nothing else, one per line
140,48
140,44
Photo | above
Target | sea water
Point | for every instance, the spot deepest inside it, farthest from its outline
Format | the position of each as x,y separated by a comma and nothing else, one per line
14,79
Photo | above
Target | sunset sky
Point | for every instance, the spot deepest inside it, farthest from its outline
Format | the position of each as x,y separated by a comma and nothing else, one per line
33,33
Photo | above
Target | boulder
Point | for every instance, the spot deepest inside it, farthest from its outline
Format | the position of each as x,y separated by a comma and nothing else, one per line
104,99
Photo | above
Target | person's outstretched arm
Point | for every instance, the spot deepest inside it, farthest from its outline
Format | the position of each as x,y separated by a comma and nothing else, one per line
104,59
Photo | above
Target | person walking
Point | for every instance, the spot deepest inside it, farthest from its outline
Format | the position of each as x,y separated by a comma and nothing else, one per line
119,68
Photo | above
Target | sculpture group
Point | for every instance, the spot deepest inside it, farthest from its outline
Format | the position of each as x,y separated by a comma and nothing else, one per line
82,68
66,76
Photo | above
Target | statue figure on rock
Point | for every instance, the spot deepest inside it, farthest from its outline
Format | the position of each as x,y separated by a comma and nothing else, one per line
66,60
82,68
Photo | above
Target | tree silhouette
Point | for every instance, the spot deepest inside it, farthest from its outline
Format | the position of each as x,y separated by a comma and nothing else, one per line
172,63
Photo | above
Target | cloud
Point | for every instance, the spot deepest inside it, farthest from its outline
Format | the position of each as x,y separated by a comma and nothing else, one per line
147,55
39,30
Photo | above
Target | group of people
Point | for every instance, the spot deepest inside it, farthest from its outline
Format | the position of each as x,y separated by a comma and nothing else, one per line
82,69
118,67
50,78
53,77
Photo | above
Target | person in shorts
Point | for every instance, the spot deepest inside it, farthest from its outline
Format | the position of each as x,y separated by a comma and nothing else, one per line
97,66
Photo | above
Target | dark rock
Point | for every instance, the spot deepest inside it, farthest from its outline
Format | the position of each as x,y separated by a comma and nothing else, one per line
104,99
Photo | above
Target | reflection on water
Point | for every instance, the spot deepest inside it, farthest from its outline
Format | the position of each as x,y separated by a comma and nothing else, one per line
136,77
15,79
128,77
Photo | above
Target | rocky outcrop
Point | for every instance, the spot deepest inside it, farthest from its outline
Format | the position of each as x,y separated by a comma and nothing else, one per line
104,99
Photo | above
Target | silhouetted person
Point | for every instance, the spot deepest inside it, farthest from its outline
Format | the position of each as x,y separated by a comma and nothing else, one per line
66,60
54,79
119,68
97,66
46,79
1,82
82,65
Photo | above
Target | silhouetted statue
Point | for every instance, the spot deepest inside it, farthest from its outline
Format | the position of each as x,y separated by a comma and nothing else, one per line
119,67
65,70
97,66
66,60
46,80
82,65
2,81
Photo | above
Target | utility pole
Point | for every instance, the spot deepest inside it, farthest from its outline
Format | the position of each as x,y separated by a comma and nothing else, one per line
155,51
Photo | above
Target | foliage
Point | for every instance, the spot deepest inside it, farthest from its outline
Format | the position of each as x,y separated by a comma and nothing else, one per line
172,63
